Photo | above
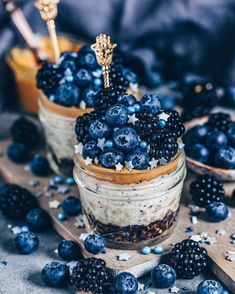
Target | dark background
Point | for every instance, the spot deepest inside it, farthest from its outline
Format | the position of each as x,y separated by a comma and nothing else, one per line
169,36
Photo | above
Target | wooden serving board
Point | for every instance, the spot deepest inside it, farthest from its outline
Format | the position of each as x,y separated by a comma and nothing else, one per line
137,264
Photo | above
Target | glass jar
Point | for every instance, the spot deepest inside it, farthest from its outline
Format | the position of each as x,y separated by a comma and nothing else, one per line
131,209
58,124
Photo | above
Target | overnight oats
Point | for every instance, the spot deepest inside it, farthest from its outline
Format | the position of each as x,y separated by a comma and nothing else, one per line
130,169
68,90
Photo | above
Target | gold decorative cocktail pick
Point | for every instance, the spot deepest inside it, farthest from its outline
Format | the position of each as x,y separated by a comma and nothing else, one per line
104,52
48,11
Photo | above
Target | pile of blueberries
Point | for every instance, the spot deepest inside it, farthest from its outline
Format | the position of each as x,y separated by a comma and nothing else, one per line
76,77
213,143
130,133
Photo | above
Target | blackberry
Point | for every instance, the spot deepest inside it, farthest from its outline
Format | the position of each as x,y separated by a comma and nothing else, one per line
117,78
174,123
219,121
103,99
48,78
188,259
15,201
206,190
90,275
194,112
146,126
163,144
25,132
83,123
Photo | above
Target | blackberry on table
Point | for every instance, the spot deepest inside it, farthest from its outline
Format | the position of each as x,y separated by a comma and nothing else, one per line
25,132
103,99
219,121
15,201
48,78
188,259
90,275
206,190
174,123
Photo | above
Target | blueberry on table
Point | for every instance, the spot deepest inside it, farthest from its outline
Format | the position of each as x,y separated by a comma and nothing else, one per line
38,219
90,149
216,140
116,115
125,139
163,276
71,205
40,166
127,100
139,159
55,274
26,242
18,153
94,244
225,158
209,287
111,157
83,77
69,250
198,152
99,129
151,103
217,211
67,94
125,283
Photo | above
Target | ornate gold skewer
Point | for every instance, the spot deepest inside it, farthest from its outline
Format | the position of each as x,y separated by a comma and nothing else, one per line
48,11
104,52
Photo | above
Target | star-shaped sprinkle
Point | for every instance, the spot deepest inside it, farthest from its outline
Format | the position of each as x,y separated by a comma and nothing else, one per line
153,163
174,290
96,160
63,190
163,116
119,167
78,148
88,161
124,257
54,204
196,238
140,287
230,257
128,165
16,230
211,240
194,208
83,237
79,221
72,264
100,143
221,232
162,161
181,145
82,104
134,87
132,119
56,251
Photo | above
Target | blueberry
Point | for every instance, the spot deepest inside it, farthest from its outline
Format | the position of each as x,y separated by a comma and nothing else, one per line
231,134
94,244
145,250
88,96
38,219
125,139
130,75
198,152
199,132
231,96
68,94
109,158
99,129
26,242
151,103
18,153
69,250
86,57
116,115
83,78
209,287
55,274
71,205
225,158
216,140
40,166
90,149
217,211
168,102
68,60
163,276
139,159
154,79
125,283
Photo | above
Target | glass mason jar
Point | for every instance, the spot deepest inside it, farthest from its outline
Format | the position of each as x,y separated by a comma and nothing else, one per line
131,209
58,124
